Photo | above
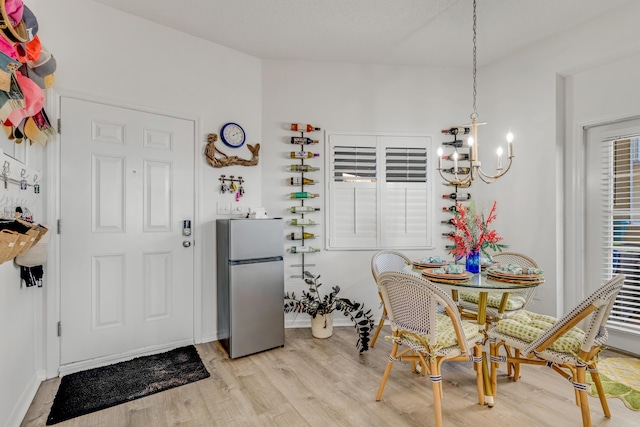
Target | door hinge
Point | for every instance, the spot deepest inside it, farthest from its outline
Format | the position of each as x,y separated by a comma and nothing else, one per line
59,226
60,126
59,328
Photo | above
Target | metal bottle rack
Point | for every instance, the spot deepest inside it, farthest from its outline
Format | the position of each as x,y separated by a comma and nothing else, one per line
455,188
303,264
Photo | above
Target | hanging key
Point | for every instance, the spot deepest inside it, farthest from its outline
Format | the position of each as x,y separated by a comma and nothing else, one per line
23,184
36,188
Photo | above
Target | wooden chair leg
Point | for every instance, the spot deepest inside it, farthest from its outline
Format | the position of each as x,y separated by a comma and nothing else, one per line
477,354
437,391
516,366
387,371
581,378
493,351
595,376
379,328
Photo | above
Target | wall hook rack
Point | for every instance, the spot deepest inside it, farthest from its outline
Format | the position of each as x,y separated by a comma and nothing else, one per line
232,187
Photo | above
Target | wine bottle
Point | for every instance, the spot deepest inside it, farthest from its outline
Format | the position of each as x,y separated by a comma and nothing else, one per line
297,180
303,155
304,195
302,168
449,234
450,209
457,131
461,156
303,209
303,249
461,170
447,221
465,184
457,196
300,236
302,222
456,143
303,140
303,128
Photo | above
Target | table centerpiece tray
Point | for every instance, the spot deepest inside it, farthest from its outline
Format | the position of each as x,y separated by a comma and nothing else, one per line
423,265
533,280
506,275
446,278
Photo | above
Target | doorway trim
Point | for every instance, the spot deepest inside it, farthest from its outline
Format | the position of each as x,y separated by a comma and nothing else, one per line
52,298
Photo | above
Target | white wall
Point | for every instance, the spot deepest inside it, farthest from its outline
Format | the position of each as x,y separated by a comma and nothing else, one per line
105,55
359,98
525,92
21,357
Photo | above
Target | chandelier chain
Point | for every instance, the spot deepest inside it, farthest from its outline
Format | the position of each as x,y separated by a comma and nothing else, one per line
474,115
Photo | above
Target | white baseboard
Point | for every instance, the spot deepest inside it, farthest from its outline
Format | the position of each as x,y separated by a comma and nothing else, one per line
110,360
21,408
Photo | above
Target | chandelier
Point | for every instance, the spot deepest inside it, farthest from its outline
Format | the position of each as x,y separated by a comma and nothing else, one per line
463,176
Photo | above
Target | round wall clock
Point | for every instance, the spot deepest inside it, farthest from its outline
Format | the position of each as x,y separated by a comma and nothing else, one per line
232,135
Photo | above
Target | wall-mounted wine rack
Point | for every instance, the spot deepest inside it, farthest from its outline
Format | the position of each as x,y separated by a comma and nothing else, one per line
459,193
303,225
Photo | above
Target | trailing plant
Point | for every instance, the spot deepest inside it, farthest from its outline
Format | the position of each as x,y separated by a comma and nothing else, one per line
314,303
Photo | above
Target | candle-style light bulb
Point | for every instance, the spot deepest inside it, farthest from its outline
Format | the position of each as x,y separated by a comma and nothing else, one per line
440,157
455,162
499,151
509,145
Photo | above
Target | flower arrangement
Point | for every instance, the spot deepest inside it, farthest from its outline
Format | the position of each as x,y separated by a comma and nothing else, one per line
472,232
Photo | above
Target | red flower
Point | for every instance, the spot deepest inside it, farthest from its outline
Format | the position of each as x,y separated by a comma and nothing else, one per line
472,232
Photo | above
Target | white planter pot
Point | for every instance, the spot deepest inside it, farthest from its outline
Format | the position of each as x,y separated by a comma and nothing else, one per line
322,326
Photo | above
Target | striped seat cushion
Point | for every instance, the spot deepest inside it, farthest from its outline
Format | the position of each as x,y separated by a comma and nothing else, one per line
446,335
514,302
528,326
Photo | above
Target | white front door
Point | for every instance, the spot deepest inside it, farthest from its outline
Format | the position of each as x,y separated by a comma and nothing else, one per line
126,185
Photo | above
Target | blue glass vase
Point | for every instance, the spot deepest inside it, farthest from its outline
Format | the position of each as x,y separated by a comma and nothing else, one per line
473,262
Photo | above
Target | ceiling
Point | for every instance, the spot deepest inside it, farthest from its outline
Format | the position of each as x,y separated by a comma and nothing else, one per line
407,32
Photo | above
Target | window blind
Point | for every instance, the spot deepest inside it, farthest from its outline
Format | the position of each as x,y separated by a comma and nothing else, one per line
404,164
378,191
620,190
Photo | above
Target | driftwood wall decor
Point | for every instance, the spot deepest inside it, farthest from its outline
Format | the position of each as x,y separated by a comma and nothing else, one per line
219,162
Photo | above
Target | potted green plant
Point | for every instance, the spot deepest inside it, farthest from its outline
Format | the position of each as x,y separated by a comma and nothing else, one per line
321,307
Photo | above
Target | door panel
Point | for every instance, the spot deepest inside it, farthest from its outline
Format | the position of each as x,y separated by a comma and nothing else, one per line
126,186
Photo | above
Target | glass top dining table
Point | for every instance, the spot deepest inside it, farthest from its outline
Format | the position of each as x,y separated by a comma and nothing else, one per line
483,284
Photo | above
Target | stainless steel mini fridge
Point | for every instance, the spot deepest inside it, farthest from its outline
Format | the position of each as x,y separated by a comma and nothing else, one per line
250,284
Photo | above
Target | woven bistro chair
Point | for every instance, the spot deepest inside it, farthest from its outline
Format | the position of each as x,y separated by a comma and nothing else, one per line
496,308
382,262
560,344
429,336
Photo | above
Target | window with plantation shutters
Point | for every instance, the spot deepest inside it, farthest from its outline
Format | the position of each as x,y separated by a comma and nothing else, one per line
378,191
620,196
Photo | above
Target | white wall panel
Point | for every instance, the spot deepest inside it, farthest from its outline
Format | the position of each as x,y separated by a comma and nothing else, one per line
157,196
112,133
157,272
107,291
158,139
108,204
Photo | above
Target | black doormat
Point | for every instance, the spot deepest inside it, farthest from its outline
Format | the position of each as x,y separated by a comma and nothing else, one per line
89,391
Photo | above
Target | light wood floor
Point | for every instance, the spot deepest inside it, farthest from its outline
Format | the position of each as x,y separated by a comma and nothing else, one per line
313,382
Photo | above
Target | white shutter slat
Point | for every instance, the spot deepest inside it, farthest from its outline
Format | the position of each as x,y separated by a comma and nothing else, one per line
378,191
620,229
